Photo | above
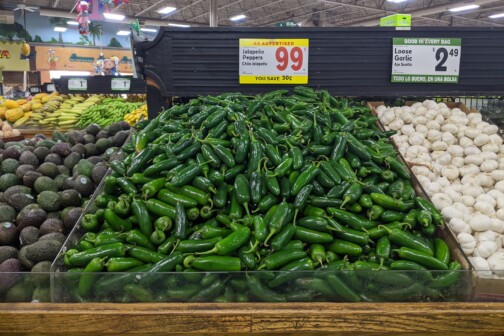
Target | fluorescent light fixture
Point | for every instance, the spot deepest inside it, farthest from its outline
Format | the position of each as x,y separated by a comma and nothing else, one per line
72,23
179,25
116,17
238,17
396,1
496,16
148,30
123,32
463,8
166,10
60,29
55,74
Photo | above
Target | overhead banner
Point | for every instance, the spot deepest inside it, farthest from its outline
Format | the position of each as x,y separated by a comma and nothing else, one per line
11,58
426,60
274,61
79,59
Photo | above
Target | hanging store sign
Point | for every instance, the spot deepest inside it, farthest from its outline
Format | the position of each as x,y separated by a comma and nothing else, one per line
274,61
11,58
426,60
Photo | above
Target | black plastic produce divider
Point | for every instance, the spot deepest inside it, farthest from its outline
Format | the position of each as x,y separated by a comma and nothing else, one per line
346,61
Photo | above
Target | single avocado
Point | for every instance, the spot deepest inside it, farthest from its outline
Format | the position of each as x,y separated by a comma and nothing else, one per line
79,149
71,218
51,225
48,169
44,183
43,250
88,138
84,167
15,190
54,158
23,169
30,177
70,197
95,159
7,213
68,183
125,126
119,138
8,180
30,217
8,233
60,180
28,236
65,211
101,135
47,143
62,149
93,129
26,263
71,160
41,153
98,173
43,268
12,152
118,156
63,170
90,150
9,269
9,166
20,292
83,185
7,252
114,128
75,137
49,200
109,152
41,294
17,144
54,236
20,200
57,136
103,144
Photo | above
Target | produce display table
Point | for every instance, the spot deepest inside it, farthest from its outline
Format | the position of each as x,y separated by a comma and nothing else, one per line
256,318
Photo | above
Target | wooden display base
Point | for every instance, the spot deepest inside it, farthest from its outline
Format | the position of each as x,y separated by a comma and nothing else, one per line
253,318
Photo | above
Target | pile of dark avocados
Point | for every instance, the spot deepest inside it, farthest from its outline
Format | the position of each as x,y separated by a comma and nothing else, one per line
44,186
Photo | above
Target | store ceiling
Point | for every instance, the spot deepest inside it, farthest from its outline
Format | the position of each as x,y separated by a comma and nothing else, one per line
325,13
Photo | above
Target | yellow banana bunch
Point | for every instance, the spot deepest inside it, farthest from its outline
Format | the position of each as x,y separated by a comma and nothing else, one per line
134,116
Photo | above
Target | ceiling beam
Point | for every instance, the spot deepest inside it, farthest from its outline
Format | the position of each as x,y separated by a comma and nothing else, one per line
182,9
301,15
420,12
149,8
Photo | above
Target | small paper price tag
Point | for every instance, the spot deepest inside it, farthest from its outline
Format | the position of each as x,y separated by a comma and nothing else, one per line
77,84
120,84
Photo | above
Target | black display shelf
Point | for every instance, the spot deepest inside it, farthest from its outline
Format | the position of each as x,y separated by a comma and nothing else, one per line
353,61
101,85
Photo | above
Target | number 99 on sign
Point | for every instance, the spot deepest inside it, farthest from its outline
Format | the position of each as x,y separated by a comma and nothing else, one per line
294,58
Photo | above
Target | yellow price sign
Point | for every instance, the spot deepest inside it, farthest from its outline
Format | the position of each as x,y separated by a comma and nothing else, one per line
274,61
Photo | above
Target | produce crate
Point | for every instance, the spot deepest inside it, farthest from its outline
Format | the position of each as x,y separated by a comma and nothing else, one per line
485,288
63,283
12,138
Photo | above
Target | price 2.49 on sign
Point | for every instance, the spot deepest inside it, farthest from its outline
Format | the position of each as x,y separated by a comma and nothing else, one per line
274,61
426,60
